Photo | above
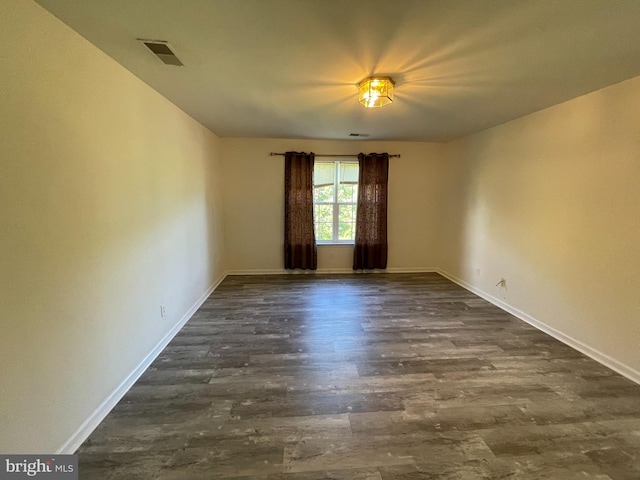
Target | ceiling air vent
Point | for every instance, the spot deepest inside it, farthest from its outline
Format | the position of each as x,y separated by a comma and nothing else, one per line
358,134
162,50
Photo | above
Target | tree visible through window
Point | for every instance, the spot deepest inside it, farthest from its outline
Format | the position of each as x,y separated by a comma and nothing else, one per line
335,197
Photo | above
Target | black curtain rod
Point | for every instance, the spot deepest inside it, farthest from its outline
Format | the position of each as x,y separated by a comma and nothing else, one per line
273,154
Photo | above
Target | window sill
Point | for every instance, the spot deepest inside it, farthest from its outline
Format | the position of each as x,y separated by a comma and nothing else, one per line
335,244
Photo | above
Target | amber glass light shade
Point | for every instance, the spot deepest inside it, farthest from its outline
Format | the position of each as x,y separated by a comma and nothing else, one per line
376,92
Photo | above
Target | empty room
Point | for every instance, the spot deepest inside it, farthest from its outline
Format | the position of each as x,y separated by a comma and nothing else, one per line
320,239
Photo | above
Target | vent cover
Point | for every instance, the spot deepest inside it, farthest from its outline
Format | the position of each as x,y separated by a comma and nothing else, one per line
162,50
358,134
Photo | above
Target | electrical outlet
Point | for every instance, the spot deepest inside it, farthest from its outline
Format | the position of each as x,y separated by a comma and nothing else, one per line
477,272
163,311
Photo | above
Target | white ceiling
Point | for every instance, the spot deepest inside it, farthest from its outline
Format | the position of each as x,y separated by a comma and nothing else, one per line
289,68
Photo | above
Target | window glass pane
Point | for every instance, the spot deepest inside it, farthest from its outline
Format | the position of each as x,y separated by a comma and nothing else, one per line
324,232
348,172
346,222
323,194
347,193
323,173
323,217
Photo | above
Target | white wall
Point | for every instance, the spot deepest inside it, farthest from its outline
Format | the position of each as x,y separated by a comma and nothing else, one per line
110,206
254,199
551,203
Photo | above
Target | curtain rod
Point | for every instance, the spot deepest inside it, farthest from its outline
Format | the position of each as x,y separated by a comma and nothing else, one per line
273,154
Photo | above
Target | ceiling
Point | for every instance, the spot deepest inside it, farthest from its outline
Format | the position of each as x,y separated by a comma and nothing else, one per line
290,68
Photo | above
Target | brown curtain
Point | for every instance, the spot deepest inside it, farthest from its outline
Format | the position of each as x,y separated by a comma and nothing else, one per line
300,250
371,220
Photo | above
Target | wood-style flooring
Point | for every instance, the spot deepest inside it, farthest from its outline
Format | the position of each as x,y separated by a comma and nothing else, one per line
366,377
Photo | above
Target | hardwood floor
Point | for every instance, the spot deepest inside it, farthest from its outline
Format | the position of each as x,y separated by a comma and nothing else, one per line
363,377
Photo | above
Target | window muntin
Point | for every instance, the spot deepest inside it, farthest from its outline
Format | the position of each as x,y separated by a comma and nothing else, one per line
335,197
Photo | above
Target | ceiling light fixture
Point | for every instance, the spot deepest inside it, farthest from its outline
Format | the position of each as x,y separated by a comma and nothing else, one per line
376,92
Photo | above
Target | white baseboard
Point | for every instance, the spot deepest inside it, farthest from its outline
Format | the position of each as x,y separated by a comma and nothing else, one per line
98,415
258,271
282,271
276,271
413,270
600,357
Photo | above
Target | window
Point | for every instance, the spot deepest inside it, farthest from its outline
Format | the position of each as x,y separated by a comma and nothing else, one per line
335,197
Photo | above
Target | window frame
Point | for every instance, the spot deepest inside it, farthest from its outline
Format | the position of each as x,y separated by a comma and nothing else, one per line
336,203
